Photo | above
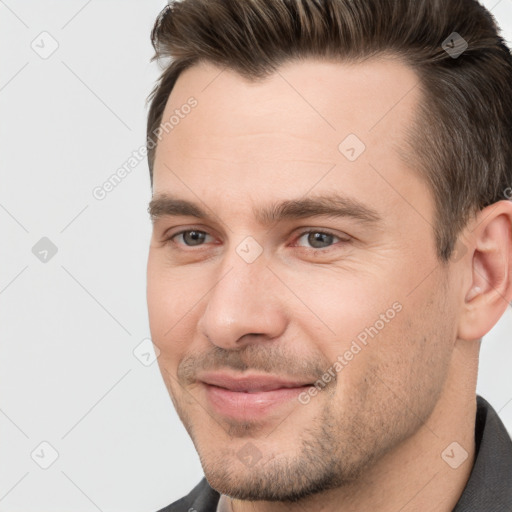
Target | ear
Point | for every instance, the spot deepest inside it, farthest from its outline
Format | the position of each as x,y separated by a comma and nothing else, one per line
488,272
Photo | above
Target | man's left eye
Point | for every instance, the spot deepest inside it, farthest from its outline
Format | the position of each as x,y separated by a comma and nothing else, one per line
318,239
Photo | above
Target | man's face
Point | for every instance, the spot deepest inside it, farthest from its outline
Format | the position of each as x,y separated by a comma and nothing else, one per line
270,291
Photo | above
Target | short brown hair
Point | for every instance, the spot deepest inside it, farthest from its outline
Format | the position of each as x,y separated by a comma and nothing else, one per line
461,141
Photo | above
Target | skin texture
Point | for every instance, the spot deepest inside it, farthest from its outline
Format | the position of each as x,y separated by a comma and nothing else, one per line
373,438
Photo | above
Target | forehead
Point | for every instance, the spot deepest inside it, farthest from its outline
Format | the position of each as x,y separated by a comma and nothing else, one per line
318,101
287,131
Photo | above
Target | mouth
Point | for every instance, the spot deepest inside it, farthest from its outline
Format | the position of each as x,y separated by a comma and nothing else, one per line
250,397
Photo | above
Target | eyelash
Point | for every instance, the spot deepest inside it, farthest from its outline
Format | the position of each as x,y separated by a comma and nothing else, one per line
170,239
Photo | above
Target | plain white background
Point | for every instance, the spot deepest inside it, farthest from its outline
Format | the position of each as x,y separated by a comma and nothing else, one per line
69,325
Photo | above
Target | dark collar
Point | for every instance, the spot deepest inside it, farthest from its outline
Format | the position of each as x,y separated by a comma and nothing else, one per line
489,488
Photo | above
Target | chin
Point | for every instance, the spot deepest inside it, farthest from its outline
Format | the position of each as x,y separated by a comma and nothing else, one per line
286,480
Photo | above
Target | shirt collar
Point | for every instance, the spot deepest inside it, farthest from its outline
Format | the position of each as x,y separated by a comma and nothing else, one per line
490,481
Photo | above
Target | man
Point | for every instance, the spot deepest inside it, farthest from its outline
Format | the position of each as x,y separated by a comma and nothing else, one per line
331,241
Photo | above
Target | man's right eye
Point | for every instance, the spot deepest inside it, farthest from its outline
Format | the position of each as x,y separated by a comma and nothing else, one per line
189,237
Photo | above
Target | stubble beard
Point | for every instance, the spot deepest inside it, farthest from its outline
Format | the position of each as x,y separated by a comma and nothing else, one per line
336,451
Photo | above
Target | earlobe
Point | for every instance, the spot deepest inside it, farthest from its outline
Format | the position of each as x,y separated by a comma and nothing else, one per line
490,288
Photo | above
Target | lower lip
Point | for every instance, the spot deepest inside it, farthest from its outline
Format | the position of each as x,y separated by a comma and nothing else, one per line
249,406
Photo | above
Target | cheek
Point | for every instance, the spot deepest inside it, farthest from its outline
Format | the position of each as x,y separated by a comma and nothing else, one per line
161,308
366,323
339,306
411,355
171,313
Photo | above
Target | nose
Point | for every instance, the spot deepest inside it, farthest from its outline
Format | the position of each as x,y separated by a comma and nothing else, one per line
245,306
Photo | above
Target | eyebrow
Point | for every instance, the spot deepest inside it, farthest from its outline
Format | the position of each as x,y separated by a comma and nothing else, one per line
331,205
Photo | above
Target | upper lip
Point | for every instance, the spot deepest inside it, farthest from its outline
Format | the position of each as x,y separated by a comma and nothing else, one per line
250,383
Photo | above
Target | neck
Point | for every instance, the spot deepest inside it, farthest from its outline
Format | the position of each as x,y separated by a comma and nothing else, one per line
422,472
